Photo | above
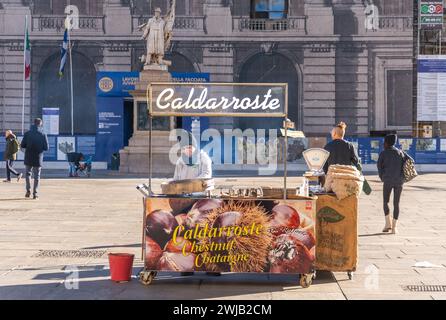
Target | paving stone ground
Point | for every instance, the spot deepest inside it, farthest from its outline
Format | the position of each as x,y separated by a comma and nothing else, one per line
106,214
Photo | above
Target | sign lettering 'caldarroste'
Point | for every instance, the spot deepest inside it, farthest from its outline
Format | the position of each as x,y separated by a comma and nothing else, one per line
218,99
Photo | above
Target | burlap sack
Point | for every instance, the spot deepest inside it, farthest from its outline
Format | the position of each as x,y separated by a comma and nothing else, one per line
344,188
344,181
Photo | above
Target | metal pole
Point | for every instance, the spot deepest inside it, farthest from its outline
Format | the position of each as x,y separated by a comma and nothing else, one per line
71,82
24,76
417,53
285,161
150,139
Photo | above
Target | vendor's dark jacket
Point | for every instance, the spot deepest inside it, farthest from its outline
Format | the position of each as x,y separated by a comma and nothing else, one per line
341,152
74,157
390,166
9,153
35,143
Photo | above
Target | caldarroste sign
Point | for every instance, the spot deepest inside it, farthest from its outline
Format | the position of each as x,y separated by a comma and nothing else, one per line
217,99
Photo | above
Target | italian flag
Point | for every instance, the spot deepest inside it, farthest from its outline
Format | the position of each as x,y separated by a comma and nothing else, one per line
27,53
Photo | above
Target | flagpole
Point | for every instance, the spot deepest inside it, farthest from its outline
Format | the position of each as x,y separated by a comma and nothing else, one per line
24,76
71,82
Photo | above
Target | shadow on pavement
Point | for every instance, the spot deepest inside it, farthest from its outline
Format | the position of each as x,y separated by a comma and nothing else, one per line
136,245
95,284
374,234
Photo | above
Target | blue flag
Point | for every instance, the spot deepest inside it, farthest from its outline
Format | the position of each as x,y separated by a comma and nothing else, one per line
64,53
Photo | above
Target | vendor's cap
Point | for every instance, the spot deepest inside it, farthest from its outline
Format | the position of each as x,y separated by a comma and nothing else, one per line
186,140
390,139
157,9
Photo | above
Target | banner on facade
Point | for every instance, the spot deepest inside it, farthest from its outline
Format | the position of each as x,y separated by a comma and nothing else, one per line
50,117
431,14
218,99
431,103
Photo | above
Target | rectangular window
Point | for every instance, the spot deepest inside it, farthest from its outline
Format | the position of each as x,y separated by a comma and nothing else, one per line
399,98
269,9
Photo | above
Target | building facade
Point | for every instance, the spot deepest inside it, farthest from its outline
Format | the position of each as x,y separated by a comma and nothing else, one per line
344,60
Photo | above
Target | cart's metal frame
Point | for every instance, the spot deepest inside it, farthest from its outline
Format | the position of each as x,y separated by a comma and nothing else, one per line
147,276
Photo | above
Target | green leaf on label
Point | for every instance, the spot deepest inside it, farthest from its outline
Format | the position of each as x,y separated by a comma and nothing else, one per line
330,215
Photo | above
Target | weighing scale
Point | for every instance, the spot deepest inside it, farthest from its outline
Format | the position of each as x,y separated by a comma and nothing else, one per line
315,159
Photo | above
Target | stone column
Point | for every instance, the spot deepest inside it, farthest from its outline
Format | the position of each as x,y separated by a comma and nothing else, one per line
319,105
349,17
320,17
218,18
118,20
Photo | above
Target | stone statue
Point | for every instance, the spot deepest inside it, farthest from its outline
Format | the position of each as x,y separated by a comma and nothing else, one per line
371,12
158,32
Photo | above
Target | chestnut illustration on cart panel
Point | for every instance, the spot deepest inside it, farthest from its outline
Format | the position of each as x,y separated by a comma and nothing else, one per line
153,253
160,225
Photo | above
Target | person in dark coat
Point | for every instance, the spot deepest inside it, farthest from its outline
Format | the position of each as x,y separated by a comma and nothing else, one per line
390,169
74,160
35,143
10,155
341,151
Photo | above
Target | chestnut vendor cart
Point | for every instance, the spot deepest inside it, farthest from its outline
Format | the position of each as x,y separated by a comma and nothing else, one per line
234,228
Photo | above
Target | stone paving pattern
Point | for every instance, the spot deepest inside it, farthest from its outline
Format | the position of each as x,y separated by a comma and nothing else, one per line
106,214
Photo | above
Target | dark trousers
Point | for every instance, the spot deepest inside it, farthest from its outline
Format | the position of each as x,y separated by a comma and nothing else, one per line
35,171
10,169
397,190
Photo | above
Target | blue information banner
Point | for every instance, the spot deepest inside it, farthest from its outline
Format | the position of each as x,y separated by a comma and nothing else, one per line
110,126
86,146
115,84
2,148
51,154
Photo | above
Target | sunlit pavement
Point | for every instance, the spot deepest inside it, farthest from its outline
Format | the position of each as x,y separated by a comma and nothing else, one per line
106,214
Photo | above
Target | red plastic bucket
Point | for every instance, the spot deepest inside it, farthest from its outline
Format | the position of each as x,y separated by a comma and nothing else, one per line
121,265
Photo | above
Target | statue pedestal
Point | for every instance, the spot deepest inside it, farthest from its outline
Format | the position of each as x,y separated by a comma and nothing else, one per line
135,157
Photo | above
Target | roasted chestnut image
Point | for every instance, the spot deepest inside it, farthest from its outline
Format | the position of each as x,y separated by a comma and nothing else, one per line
160,225
171,261
306,237
153,254
226,219
284,219
180,205
289,255
181,219
178,246
200,210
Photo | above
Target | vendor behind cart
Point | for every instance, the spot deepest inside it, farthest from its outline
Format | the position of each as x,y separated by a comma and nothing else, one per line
341,151
193,163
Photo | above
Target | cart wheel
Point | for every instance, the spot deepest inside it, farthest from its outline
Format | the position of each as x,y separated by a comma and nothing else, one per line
147,277
306,280
350,275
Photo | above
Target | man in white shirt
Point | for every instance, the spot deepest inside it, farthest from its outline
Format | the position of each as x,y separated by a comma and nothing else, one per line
193,163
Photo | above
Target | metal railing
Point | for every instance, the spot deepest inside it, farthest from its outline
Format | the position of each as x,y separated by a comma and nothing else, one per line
292,23
396,23
181,22
57,23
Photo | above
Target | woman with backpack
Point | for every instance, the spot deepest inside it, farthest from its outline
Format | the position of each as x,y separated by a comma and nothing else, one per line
390,167
10,155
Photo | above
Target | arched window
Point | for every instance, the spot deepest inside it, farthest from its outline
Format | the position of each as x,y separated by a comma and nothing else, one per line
269,9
